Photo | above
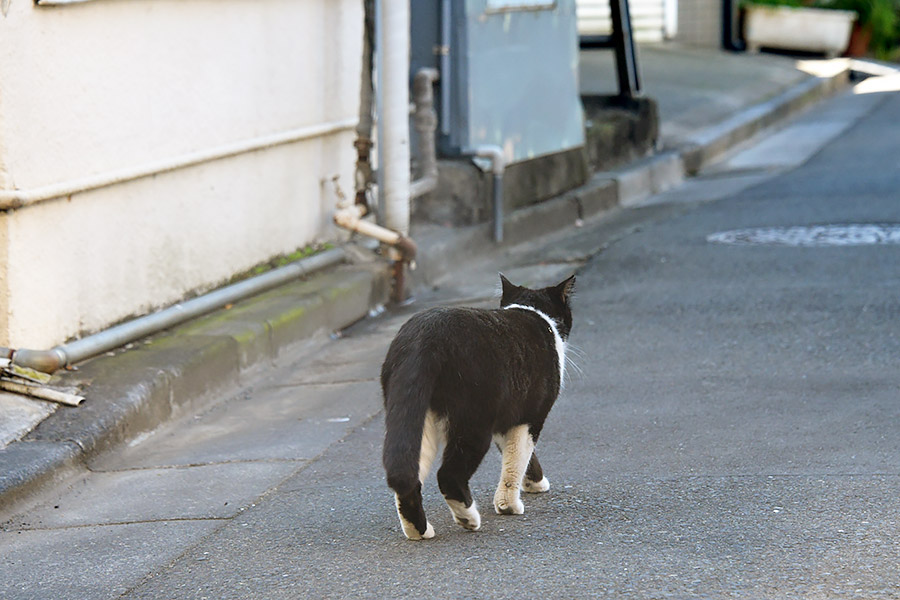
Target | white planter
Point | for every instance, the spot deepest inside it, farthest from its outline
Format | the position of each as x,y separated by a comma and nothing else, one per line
809,29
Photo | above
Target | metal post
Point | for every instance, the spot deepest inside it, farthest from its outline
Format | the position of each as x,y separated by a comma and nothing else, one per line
623,42
497,191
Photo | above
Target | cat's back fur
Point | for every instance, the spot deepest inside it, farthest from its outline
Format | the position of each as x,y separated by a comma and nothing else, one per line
465,376
463,350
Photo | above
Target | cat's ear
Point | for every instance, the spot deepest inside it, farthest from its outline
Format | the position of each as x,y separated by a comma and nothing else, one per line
566,289
507,288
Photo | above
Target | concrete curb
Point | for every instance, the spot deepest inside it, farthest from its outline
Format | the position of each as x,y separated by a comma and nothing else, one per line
706,145
668,169
134,390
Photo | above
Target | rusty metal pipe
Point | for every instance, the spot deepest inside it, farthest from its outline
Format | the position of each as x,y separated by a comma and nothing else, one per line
351,218
364,178
398,282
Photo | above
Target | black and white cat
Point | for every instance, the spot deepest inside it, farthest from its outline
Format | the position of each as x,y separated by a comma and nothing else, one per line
462,377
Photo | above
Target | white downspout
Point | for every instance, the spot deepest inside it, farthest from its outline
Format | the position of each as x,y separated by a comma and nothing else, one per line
394,123
393,156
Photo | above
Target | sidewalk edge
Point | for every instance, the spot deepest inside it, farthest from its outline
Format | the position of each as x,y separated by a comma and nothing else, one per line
132,391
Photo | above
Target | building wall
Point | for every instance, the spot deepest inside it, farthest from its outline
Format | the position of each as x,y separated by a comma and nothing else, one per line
700,23
99,88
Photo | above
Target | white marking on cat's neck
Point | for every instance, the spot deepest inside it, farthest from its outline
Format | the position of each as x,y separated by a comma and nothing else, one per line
560,344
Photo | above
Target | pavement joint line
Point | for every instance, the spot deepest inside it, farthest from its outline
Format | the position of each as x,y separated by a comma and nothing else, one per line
125,523
657,170
173,467
321,383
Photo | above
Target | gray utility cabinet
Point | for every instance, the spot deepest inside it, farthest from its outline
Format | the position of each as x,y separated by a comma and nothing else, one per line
509,74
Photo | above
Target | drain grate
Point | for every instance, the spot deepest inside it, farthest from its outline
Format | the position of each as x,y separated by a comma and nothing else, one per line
811,236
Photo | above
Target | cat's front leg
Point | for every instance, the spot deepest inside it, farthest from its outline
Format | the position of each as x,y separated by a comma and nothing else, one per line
517,446
535,482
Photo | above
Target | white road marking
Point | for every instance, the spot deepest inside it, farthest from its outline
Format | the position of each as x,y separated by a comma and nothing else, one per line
811,236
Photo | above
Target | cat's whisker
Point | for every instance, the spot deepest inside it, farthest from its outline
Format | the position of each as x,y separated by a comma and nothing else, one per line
572,366
575,350
575,367
572,363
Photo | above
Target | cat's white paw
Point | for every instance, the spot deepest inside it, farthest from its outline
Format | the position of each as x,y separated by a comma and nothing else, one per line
536,487
506,502
467,517
429,532
413,534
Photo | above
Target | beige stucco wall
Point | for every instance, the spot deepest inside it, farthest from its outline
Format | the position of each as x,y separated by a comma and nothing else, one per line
104,86
4,304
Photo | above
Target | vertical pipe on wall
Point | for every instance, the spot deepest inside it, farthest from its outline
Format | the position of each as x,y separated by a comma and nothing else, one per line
425,123
394,123
366,104
498,165
379,109
444,50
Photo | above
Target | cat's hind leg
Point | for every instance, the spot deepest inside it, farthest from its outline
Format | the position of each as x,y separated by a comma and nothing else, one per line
535,482
461,458
517,446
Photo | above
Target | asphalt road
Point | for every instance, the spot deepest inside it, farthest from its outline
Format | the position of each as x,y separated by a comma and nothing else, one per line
732,428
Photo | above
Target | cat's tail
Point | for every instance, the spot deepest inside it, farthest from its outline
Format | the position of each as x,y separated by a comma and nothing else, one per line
406,404
406,459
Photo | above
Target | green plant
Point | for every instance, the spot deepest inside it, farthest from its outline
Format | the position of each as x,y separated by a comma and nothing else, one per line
282,260
792,3
880,17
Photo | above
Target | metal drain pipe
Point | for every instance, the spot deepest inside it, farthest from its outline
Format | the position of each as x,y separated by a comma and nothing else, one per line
49,361
498,164
425,122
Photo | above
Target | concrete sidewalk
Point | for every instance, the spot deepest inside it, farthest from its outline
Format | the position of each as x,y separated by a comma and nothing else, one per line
709,101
